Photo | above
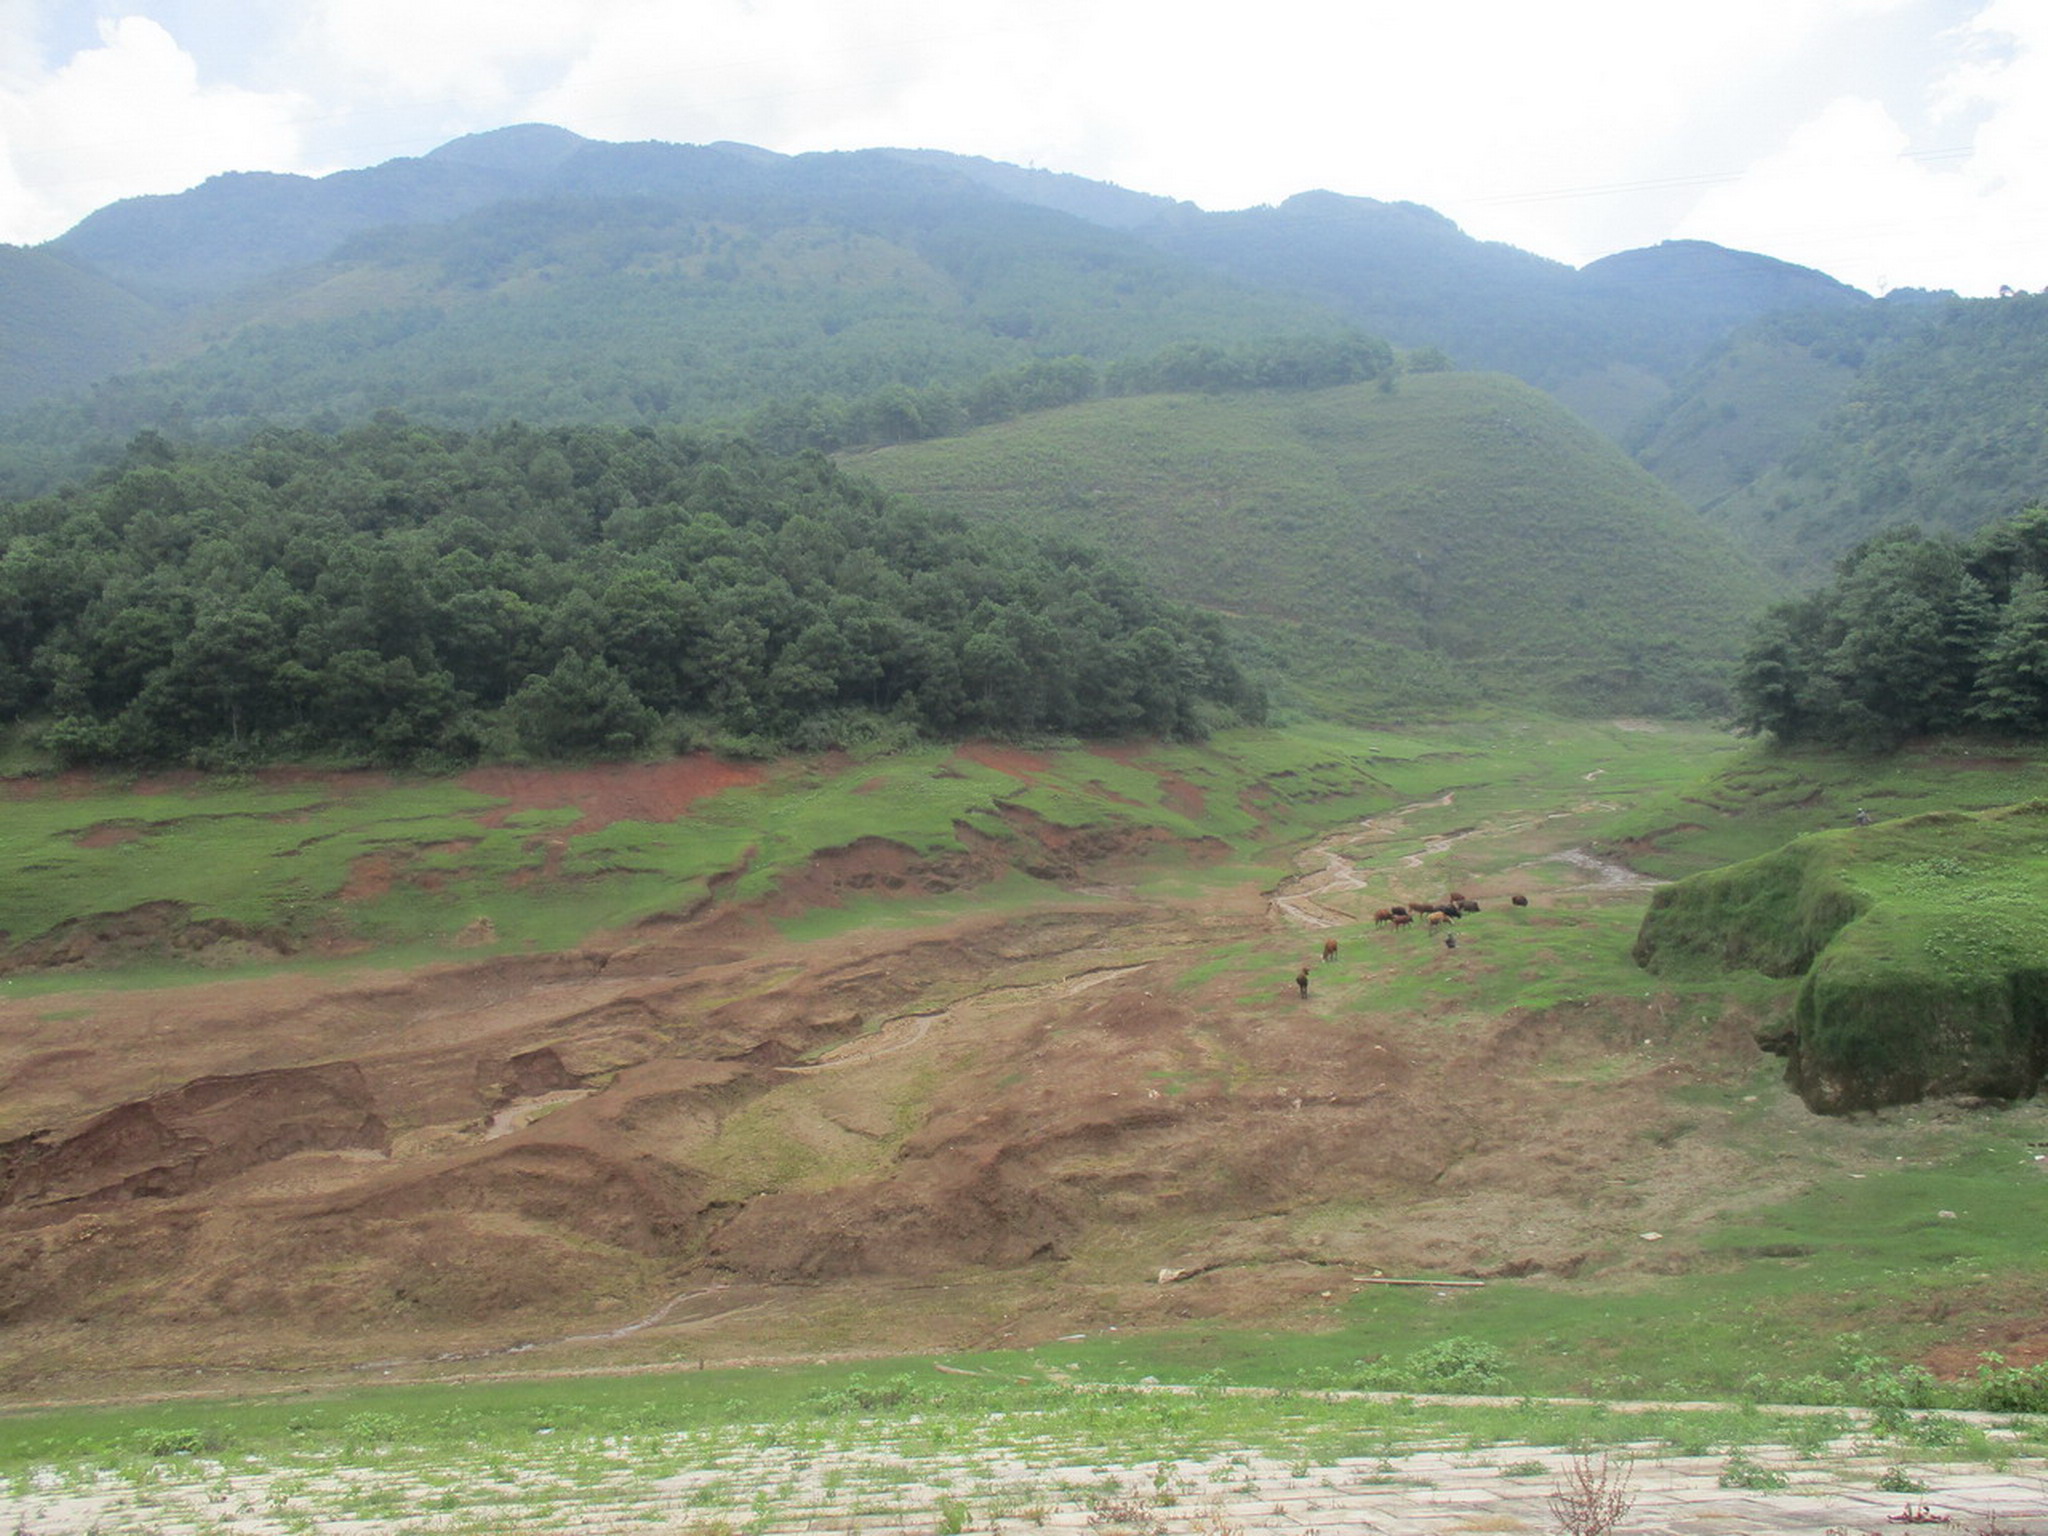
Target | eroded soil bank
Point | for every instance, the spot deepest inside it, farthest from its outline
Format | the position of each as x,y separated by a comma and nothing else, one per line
705,1139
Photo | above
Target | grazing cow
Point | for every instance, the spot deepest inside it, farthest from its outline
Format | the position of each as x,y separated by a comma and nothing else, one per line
1468,906
1329,950
1520,901
1437,919
1402,920
1398,911
1301,981
1384,915
1456,898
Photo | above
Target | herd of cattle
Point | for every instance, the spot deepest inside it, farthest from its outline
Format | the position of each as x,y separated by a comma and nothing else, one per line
1435,914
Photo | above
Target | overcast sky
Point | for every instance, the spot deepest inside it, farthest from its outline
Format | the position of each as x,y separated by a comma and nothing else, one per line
1891,143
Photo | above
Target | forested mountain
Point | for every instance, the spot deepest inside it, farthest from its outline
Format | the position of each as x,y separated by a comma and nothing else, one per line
1412,275
626,284
402,595
532,273
1806,435
234,229
1427,541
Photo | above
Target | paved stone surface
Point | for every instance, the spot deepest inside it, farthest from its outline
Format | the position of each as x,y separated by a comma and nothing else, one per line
1502,1489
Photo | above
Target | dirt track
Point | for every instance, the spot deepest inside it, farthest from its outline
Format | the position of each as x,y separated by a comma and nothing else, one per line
702,1140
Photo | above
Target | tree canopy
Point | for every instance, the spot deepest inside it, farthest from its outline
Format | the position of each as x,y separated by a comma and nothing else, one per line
403,594
1915,635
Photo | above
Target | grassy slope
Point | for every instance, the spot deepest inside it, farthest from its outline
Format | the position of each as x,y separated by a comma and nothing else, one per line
1466,516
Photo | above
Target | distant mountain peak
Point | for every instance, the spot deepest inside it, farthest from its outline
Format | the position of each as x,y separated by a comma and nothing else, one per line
1694,258
519,147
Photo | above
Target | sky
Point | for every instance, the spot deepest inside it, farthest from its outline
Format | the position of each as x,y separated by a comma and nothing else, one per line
1889,143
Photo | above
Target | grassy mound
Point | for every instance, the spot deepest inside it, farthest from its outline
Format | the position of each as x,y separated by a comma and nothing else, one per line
1922,943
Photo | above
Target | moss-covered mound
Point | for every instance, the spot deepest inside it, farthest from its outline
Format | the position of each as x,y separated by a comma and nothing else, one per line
1923,945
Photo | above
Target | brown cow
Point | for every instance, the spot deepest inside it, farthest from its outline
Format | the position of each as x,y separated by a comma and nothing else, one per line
1520,901
1301,981
1402,920
1329,950
1384,915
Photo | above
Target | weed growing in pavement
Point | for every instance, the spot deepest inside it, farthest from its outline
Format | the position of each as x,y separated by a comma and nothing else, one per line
1592,1494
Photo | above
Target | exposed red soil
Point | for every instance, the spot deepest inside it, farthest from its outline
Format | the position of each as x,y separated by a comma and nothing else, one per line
1014,761
611,792
1175,792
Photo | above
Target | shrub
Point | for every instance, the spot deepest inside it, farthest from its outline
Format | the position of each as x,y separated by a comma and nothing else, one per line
2001,1388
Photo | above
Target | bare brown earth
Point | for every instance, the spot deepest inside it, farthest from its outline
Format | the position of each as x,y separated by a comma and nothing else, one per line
703,1140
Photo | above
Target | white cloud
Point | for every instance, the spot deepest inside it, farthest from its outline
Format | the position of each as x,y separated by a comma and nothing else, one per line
1849,192
127,117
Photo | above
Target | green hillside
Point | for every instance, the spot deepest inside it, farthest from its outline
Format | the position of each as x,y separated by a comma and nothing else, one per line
1453,538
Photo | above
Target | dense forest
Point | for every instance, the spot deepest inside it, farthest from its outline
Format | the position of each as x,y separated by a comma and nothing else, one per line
409,595
1915,635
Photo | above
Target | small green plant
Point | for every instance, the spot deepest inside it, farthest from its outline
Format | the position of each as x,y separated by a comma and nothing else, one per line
173,1442
1743,1471
1898,1480
370,1428
952,1516
1524,1469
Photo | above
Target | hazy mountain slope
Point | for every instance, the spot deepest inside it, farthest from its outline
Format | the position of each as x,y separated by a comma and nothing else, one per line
1099,202
1412,275
1423,280
63,325
1466,517
1808,436
233,229
840,278
1741,412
